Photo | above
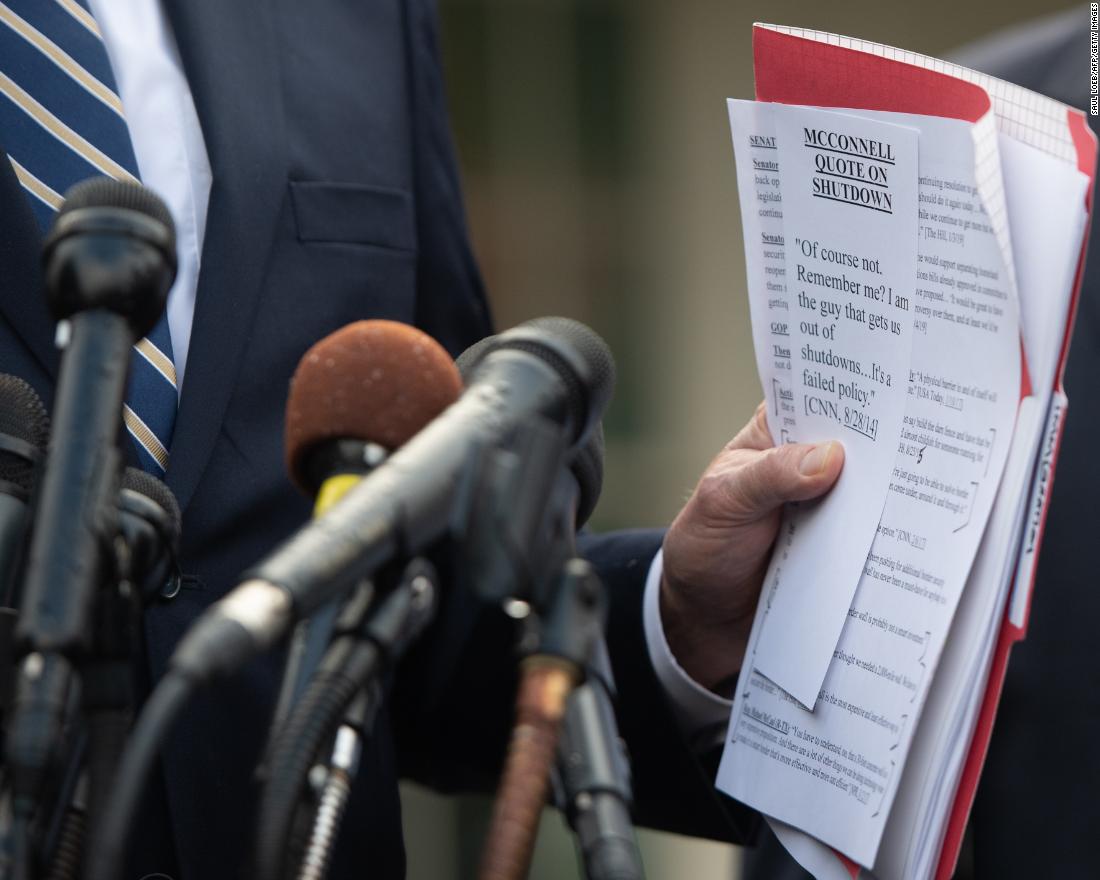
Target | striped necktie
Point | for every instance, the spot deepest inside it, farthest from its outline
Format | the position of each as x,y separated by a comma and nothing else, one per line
61,122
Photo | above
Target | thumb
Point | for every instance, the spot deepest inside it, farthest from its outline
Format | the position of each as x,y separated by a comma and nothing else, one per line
793,472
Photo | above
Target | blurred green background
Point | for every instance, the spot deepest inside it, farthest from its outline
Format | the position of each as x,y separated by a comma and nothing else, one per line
599,181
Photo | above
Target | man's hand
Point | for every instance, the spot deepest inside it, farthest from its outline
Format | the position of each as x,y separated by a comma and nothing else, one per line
717,550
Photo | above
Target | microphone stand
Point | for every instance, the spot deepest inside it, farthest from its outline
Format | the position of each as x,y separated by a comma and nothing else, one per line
564,716
563,704
336,712
592,780
108,683
339,776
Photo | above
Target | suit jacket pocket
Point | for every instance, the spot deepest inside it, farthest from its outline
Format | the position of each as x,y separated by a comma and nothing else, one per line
353,213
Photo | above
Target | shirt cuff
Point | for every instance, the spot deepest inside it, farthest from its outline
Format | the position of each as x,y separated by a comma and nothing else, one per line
701,714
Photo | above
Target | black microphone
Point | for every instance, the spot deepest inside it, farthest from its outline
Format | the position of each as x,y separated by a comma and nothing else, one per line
593,772
552,373
24,433
109,262
150,523
149,526
586,464
551,376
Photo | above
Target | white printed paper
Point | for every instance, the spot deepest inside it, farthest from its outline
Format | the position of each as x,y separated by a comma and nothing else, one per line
765,261
850,229
833,772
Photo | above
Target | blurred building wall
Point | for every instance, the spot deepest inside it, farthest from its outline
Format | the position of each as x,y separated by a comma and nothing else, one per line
600,185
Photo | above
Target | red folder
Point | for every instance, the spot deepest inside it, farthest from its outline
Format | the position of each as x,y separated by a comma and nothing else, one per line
1012,632
791,69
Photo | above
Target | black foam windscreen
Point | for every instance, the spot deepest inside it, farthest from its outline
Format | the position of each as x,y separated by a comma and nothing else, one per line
104,192
587,467
23,417
156,491
575,352
473,355
593,350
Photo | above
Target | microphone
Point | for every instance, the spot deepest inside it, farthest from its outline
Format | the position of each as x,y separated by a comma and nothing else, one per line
586,465
150,523
109,262
371,383
24,433
355,396
149,526
552,373
359,393
554,705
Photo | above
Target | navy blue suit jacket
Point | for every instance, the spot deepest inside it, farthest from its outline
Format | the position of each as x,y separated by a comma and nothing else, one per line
335,197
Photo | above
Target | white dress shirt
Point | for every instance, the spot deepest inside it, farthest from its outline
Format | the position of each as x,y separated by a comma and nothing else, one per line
701,713
168,144
173,162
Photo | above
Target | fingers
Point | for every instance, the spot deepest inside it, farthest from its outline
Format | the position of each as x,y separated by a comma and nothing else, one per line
755,435
795,472
752,477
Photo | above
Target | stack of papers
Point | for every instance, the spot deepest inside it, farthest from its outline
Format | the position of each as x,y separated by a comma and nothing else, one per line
914,239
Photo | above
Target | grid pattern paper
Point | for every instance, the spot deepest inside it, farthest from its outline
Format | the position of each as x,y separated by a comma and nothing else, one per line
1021,113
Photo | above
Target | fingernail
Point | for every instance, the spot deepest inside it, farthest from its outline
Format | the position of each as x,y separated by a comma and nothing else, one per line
816,460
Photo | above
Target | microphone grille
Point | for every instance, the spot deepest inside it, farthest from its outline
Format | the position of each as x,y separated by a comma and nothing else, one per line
22,416
104,192
137,480
575,352
590,345
472,356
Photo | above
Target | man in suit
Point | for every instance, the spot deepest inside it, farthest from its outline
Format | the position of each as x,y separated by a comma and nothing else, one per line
319,187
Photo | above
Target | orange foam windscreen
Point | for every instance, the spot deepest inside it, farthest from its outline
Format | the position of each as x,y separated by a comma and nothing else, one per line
377,381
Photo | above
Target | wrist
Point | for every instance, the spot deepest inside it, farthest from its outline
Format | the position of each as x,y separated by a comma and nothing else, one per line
709,649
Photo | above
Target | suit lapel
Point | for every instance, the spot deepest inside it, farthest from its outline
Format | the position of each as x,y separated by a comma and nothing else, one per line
230,57
22,298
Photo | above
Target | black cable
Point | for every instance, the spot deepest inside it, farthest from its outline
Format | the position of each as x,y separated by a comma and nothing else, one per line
375,638
348,666
108,849
205,653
